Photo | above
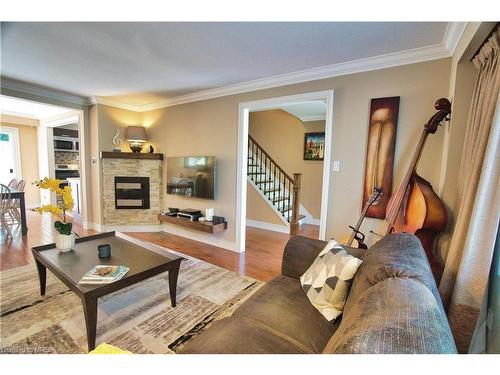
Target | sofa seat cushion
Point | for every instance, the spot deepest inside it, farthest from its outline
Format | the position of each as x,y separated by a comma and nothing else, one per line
282,306
397,315
235,335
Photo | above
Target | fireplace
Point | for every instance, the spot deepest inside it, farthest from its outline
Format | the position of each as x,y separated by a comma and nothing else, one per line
131,192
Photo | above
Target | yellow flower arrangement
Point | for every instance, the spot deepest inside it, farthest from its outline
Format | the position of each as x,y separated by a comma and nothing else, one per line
53,184
50,183
49,208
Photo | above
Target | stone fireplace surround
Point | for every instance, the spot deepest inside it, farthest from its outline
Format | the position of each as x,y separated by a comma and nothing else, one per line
130,165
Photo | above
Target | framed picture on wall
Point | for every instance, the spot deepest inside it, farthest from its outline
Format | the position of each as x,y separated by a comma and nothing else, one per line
380,147
314,146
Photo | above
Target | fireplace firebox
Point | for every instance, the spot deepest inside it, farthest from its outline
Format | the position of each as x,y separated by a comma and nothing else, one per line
131,192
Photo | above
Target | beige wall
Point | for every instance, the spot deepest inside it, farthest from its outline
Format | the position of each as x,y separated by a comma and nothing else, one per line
202,128
28,145
210,127
103,123
312,174
282,136
463,88
110,119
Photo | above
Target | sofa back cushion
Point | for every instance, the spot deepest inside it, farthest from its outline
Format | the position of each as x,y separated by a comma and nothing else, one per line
397,315
396,255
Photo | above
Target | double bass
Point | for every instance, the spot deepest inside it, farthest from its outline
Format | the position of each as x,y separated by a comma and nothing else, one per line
415,208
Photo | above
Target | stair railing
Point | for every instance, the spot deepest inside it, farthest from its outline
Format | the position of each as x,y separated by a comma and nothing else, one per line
276,180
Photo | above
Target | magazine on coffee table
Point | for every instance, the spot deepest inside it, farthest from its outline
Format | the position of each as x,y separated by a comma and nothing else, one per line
102,274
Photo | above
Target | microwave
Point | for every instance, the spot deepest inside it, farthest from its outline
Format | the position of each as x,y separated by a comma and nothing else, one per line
66,144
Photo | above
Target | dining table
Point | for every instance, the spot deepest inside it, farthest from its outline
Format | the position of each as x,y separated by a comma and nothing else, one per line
18,194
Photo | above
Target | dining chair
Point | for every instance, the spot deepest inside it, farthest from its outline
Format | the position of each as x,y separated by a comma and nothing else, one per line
15,210
20,185
5,205
12,184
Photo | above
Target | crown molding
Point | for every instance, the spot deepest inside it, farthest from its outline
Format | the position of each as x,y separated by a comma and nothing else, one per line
10,85
416,55
313,118
452,35
117,104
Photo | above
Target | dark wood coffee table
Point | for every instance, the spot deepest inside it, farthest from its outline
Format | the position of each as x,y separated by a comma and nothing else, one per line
69,268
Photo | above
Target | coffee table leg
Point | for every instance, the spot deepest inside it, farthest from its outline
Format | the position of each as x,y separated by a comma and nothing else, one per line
42,276
172,282
90,312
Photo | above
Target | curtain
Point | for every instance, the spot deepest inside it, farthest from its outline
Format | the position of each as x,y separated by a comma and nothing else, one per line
467,266
486,337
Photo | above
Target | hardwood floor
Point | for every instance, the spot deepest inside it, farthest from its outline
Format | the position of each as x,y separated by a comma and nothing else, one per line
15,252
261,260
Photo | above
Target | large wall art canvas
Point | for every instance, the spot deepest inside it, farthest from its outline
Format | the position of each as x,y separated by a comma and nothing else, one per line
379,164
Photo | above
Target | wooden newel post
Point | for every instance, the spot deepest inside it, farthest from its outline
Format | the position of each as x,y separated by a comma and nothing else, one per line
294,224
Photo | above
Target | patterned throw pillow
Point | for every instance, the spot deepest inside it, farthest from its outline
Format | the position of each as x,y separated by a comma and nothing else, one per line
329,278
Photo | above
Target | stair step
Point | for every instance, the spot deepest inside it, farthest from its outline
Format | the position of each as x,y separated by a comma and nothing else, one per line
264,182
285,209
256,173
253,165
280,200
271,191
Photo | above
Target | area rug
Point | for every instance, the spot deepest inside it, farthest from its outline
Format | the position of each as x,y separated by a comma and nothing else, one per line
139,318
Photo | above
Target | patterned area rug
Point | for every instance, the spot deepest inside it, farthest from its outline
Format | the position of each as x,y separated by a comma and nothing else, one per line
139,318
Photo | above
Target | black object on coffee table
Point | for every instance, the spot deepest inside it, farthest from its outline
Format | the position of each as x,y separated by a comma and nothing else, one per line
71,266
104,250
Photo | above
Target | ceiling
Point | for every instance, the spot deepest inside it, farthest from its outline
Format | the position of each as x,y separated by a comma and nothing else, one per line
138,64
25,108
313,110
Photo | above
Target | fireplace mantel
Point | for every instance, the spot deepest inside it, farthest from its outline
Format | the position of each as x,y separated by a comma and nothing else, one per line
130,155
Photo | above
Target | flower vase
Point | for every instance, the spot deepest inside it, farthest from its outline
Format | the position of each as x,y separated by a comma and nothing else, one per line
64,242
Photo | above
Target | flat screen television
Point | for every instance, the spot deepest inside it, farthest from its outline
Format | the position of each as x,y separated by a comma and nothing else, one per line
191,176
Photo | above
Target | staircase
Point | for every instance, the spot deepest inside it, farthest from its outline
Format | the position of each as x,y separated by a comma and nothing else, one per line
281,191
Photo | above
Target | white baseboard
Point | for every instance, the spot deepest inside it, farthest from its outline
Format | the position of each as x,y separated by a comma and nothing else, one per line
94,226
133,228
268,226
122,228
311,220
210,240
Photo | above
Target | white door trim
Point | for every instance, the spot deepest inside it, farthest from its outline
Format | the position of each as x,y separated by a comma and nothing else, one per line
17,149
76,115
242,155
